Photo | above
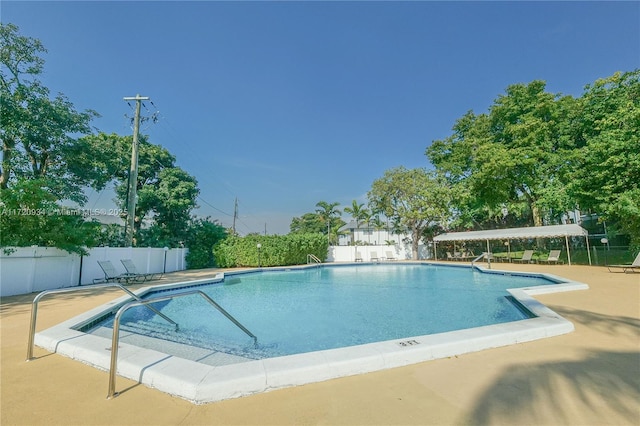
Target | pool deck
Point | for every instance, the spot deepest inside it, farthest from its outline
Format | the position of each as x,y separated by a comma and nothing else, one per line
590,376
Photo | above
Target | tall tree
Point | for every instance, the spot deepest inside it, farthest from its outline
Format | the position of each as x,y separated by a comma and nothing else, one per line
415,199
604,175
512,154
379,225
325,220
330,216
359,213
37,132
166,193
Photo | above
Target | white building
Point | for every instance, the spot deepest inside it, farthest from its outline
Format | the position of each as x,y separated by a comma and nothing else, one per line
364,234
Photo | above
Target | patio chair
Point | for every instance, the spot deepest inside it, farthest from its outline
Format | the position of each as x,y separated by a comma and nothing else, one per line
358,257
468,255
526,257
633,267
389,255
111,274
554,256
132,270
374,256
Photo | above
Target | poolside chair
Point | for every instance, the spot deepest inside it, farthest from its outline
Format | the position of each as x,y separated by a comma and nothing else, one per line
389,255
358,257
526,257
132,270
635,266
111,274
554,256
468,255
374,256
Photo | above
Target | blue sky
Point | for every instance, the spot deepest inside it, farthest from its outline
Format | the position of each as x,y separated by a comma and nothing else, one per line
284,104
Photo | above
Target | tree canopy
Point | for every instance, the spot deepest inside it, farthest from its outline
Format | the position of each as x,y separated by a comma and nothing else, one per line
536,155
37,132
324,220
511,155
414,199
605,169
166,193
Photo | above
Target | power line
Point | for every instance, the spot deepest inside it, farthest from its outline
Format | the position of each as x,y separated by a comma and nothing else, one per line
212,206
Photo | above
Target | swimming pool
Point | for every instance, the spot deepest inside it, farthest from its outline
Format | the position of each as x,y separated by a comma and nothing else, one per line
291,356
308,310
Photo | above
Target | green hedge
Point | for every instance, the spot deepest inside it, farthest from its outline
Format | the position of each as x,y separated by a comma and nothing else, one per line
276,250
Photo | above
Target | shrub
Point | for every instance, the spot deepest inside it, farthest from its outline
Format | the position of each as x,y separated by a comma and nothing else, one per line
275,250
202,236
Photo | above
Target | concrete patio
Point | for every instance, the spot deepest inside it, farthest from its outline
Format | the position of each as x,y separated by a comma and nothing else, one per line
590,376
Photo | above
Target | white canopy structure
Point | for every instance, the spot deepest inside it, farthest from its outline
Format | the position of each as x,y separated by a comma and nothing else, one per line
552,231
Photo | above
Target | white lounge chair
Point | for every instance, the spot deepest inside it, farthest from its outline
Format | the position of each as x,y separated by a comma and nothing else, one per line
374,256
358,257
526,257
554,256
389,255
467,255
635,266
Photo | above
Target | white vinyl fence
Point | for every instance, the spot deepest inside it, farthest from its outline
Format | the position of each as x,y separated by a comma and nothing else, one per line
33,269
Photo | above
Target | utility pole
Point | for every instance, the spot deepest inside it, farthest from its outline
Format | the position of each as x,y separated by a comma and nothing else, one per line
235,215
133,172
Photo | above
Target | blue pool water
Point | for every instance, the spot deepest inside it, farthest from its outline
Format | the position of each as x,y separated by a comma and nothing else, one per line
297,311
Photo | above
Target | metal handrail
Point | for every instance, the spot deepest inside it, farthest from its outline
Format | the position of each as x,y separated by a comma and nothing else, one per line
484,254
314,258
116,329
34,308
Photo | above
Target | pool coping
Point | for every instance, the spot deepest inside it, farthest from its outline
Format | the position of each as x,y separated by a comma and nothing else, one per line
200,383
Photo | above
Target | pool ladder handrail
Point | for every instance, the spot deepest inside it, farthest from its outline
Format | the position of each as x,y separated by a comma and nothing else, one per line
485,254
116,329
313,258
36,300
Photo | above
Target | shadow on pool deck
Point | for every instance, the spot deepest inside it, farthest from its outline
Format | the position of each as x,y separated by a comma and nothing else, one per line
606,382
590,376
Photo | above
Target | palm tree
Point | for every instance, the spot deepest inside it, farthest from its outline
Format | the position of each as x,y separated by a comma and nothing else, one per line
358,212
366,217
327,213
379,225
